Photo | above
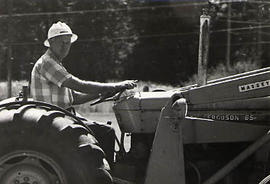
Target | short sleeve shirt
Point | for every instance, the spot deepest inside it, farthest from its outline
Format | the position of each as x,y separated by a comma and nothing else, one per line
47,77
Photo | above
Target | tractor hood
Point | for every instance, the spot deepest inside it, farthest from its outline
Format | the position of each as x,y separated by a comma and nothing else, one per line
139,113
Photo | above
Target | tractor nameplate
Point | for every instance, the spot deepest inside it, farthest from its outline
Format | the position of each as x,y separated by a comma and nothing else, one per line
253,86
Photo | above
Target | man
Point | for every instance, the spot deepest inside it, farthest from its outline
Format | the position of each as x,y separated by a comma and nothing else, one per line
51,82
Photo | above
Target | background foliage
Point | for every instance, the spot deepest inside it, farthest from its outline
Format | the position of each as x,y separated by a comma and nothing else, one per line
147,40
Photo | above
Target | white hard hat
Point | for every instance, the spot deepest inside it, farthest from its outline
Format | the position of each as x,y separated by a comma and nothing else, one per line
58,29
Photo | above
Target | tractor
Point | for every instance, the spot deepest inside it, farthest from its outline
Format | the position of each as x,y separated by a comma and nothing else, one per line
211,132
215,133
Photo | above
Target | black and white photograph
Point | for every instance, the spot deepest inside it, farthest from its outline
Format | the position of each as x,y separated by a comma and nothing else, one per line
134,92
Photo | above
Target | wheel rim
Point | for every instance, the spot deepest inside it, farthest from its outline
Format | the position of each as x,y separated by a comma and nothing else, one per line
30,167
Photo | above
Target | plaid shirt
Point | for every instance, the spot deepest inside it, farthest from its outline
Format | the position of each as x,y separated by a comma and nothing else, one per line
47,77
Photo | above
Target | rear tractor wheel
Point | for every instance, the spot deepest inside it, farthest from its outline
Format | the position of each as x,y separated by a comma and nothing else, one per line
30,167
43,144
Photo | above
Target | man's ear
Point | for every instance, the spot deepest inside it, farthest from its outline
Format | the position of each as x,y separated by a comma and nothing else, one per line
51,40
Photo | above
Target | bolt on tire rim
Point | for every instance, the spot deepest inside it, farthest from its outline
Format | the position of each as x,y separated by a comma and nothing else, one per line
30,167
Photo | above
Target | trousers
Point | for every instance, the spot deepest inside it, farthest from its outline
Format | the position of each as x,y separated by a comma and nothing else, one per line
105,135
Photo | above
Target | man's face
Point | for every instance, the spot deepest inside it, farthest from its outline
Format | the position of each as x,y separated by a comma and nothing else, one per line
60,45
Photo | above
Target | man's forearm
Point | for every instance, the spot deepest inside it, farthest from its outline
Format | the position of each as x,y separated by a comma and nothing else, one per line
80,98
88,87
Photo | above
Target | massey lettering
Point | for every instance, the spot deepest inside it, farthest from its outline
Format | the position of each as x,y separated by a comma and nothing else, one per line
253,86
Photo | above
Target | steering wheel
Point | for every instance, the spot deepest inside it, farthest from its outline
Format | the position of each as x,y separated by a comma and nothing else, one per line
109,97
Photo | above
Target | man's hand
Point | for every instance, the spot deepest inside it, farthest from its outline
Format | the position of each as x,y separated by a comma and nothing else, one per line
115,88
127,84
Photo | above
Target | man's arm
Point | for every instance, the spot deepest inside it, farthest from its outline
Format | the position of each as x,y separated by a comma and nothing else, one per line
80,98
88,87
92,90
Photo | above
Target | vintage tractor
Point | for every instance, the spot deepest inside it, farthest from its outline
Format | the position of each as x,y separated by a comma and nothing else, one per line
215,133
210,132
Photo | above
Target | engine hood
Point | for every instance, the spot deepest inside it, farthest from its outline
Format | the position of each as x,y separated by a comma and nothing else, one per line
144,101
140,112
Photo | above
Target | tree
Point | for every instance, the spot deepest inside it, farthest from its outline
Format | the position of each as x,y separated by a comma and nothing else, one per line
146,40
248,21
102,28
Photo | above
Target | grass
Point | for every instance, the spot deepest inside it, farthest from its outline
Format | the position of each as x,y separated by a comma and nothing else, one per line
221,70
16,88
